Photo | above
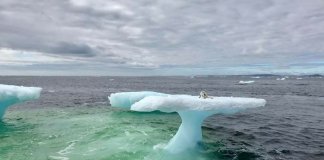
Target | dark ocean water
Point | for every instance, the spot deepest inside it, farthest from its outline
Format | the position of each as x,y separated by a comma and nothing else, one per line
291,126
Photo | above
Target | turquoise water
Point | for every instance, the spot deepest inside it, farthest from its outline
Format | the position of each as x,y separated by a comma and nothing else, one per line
89,133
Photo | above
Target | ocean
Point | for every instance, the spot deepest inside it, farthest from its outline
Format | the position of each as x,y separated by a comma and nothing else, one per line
73,120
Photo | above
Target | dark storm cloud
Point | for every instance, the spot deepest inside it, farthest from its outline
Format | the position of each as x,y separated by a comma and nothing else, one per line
74,49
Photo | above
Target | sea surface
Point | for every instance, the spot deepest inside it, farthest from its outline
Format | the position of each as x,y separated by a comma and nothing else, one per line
73,120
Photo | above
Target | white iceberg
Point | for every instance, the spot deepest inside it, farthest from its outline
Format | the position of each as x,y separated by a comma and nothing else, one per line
257,77
192,110
281,79
246,82
10,95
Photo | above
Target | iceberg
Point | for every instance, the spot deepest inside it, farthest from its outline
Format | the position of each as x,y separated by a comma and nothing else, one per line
192,110
10,95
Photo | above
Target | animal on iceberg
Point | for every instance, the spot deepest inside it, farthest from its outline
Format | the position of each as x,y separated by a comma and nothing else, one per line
192,110
10,95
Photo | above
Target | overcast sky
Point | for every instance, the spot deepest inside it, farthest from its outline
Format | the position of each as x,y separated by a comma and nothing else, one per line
162,37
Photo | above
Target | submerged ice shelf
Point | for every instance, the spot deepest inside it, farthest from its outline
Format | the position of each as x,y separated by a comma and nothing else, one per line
192,110
10,95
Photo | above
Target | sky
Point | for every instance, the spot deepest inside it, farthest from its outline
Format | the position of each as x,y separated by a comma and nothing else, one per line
161,37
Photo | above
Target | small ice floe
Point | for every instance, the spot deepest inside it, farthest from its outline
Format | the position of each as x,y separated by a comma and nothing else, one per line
245,82
111,79
298,78
281,79
51,91
256,77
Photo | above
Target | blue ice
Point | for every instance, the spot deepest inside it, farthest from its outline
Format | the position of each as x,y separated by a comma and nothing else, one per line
192,110
10,95
127,99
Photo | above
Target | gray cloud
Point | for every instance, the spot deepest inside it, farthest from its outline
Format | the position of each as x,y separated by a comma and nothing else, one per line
164,34
74,49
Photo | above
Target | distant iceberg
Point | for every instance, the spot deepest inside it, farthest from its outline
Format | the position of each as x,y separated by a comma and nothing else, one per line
257,77
281,79
10,95
192,110
246,82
